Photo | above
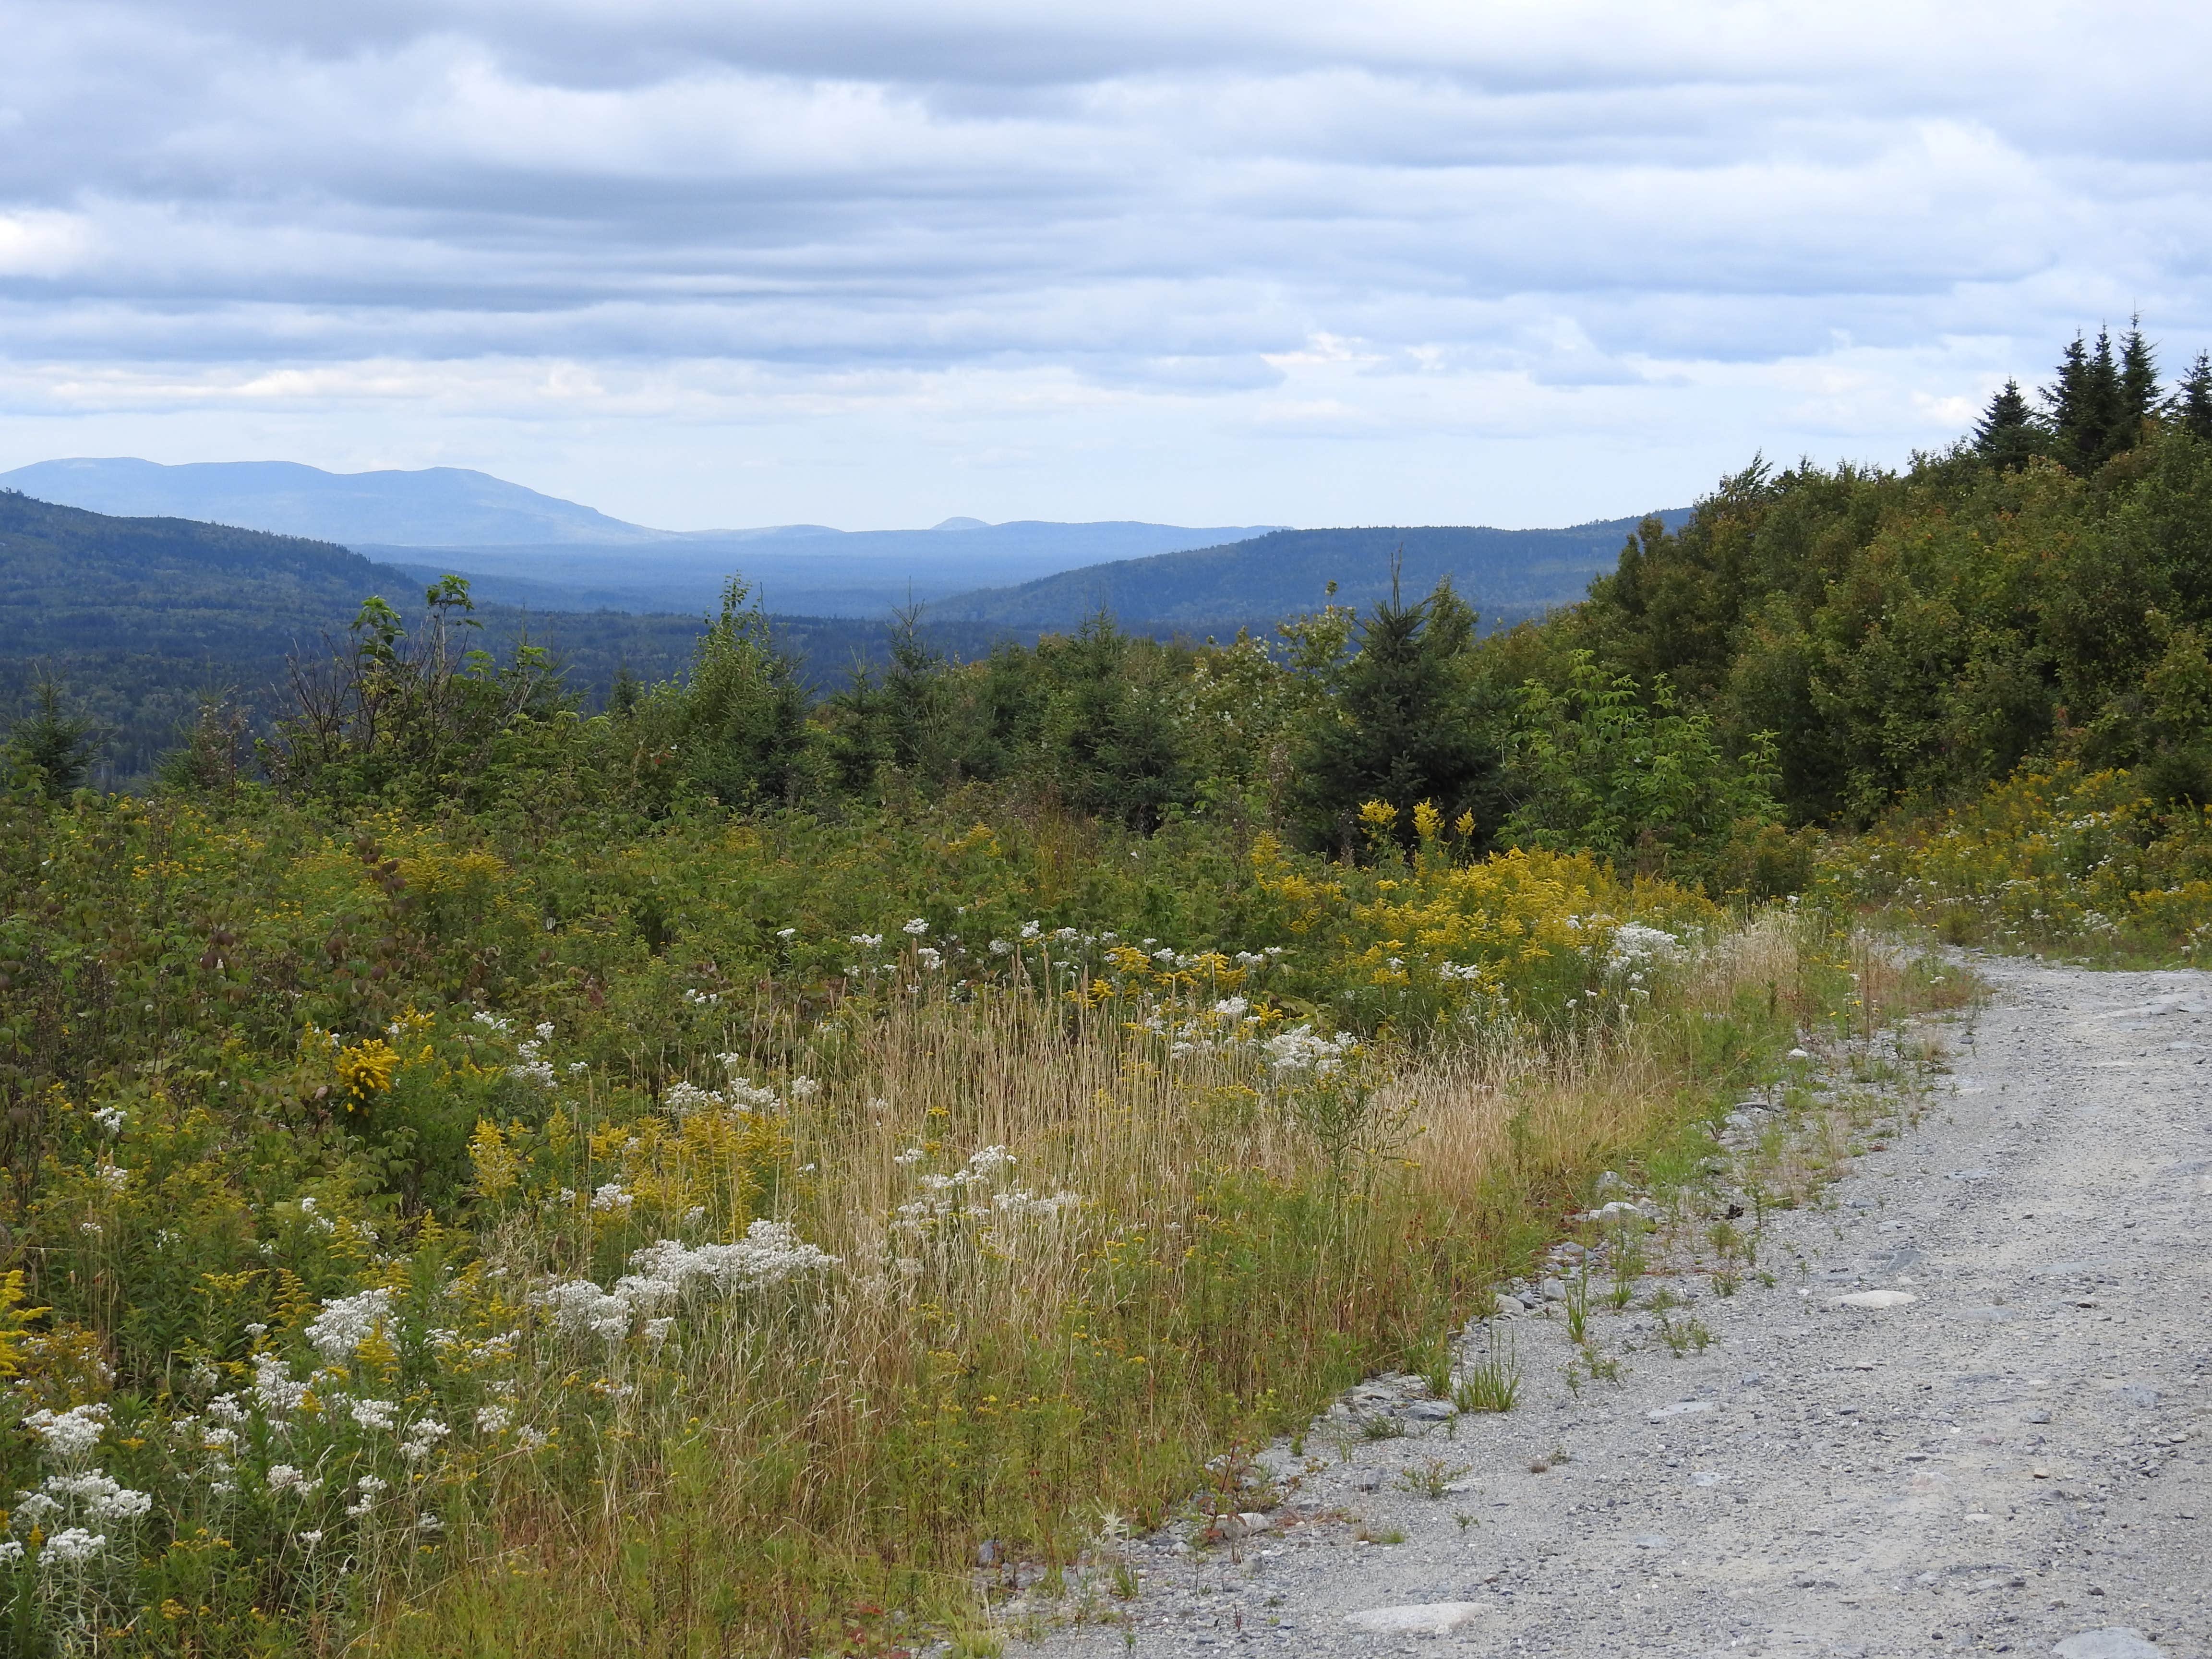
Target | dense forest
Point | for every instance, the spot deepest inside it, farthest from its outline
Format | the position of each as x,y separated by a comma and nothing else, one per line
698,1168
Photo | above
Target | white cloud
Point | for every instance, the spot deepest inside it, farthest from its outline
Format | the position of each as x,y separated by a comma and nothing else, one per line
703,263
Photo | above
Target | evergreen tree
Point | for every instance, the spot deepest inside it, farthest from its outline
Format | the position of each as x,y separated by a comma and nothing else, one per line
2137,399
2191,404
1409,725
2087,418
55,744
2008,432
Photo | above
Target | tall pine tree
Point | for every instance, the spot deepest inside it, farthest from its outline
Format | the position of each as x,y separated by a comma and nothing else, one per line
2008,434
2192,402
2098,404
1411,725
2137,388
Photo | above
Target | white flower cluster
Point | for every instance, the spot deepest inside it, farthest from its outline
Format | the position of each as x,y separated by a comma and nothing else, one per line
1300,1049
531,1066
492,1022
69,1434
92,1495
275,1388
72,1546
1227,1023
1469,974
770,1253
1635,947
963,1194
110,1119
682,1098
344,1325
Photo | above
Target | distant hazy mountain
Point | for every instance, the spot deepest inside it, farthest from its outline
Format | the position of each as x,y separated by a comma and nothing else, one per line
801,570
439,506
527,549
1506,574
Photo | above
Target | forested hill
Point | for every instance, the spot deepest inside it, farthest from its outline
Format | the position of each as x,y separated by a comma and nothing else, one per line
72,581
1507,574
139,617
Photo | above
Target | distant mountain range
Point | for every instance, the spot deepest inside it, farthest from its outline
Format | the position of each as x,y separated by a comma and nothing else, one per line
801,570
522,548
1507,574
437,506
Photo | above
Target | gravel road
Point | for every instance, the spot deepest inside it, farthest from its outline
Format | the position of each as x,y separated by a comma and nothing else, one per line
2009,1456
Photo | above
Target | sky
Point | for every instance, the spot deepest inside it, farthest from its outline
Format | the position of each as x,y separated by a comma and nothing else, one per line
721,262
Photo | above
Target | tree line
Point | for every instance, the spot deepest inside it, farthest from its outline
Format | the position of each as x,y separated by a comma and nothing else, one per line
1815,648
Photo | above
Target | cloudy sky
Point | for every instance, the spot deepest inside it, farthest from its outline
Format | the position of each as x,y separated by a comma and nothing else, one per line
739,261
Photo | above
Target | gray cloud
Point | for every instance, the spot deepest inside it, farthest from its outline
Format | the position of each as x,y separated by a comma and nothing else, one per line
1036,239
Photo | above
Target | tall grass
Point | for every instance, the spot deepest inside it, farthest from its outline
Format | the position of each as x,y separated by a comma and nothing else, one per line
823,1477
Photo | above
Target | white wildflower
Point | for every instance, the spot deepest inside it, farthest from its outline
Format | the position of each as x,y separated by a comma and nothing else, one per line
274,1386
71,1434
611,1197
916,928
1032,930
545,1031
805,1088
110,1119
530,1439
1299,1050
422,1438
114,1177
283,1477
1634,946
33,1510
72,1546
374,1413
11,1552
225,1408
98,1495
492,1022
491,1419
344,1325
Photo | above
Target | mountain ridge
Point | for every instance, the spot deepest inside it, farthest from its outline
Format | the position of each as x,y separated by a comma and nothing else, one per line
1508,574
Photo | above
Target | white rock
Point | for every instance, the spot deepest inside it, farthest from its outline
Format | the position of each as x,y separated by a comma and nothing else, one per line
2113,1642
1877,1299
1508,1306
1421,1618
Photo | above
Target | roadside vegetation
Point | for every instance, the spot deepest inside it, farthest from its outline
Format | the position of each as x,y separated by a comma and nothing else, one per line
699,1176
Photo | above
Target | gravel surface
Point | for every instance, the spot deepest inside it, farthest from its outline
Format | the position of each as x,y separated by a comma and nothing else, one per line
1970,1411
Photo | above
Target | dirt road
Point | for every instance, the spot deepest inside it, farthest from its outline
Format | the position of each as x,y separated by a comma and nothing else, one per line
2011,1456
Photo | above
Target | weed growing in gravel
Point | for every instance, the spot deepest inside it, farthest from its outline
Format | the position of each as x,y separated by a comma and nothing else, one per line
1492,1384
1687,1335
1578,1306
1432,1478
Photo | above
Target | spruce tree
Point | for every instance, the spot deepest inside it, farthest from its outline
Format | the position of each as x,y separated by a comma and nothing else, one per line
2008,434
56,745
1407,727
2192,403
2086,417
2137,388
